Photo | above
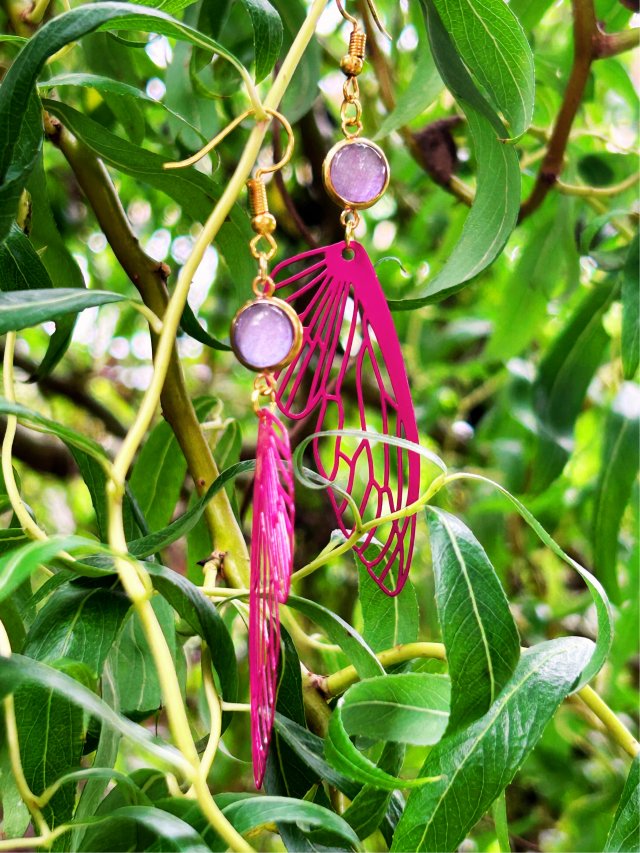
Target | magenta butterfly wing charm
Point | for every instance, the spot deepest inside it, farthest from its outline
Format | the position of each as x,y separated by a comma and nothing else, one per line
271,567
350,350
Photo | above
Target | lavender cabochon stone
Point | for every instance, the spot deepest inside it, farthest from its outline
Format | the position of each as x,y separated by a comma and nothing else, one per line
263,335
358,172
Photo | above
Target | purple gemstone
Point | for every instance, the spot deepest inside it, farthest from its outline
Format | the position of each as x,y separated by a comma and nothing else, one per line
263,335
358,172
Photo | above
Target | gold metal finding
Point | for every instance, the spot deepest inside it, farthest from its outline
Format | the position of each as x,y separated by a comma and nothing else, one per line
374,15
350,218
181,164
263,248
353,62
264,386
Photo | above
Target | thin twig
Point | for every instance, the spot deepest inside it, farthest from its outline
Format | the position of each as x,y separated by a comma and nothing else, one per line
586,44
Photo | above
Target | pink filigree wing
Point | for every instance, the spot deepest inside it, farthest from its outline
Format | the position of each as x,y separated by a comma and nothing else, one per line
271,567
351,351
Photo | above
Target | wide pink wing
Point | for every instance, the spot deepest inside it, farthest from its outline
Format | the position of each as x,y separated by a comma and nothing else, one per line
271,566
351,352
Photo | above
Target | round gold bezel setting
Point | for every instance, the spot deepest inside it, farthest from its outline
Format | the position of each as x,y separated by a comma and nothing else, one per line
296,326
328,183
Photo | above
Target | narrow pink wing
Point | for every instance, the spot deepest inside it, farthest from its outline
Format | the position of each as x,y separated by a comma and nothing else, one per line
271,566
350,351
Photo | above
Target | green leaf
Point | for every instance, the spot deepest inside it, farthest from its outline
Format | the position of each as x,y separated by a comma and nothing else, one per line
343,755
247,813
496,204
292,743
11,537
341,633
171,7
42,424
18,163
20,265
22,268
624,834
15,816
408,707
133,666
631,311
251,812
478,762
596,590
11,39
105,756
190,326
548,262
51,735
288,773
58,261
158,476
95,479
192,605
79,622
618,470
21,309
478,630
310,749
422,90
370,806
491,42
153,542
388,620
529,12
562,382
19,564
157,825
12,620
195,192
109,86
267,35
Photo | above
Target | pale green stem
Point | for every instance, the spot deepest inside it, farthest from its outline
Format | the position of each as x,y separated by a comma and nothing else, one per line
26,522
499,811
599,192
13,748
152,319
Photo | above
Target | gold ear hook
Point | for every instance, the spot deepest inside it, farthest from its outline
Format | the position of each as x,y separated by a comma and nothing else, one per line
182,164
267,170
354,21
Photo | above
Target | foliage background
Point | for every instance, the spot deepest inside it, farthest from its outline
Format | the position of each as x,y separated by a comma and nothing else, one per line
522,375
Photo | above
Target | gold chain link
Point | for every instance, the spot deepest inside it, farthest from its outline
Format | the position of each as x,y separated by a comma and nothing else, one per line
351,109
350,219
264,386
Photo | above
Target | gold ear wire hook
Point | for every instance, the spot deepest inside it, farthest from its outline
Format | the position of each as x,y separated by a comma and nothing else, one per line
267,170
182,164
354,21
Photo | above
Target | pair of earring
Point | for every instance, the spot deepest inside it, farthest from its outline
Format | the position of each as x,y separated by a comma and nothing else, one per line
319,333
318,328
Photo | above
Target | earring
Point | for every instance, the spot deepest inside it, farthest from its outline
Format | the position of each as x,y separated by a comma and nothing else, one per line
266,335
348,340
